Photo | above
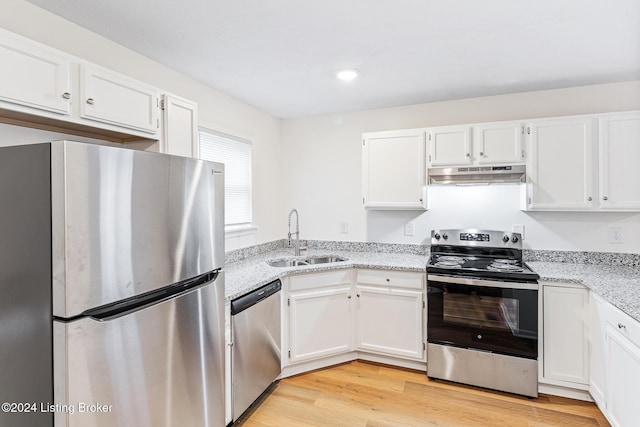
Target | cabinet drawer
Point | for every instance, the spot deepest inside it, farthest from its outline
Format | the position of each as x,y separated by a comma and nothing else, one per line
404,279
319,280
623,323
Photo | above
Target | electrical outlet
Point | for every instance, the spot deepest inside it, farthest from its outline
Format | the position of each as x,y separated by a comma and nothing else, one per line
614,235
518,228
344,227
410,229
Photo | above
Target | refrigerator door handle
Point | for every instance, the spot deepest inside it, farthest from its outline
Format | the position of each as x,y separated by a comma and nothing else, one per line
115,310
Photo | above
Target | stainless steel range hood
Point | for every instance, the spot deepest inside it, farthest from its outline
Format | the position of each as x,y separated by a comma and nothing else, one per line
477,175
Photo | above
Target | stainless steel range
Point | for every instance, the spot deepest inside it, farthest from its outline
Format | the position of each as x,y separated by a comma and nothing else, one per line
482,323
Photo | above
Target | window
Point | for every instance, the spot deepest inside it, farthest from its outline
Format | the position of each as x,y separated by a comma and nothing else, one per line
235,153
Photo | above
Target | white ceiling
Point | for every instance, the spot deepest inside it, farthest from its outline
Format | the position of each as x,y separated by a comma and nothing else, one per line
281,55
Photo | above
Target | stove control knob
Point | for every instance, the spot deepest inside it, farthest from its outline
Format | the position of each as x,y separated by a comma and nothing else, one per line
514,239
437,236
505,238
445,236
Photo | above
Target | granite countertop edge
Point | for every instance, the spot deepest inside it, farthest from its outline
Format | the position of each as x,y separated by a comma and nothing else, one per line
619,285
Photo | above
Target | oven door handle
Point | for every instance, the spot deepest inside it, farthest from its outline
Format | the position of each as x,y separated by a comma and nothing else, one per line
485,283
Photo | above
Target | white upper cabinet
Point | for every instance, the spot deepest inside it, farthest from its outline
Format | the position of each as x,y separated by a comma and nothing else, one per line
109,97
500,142
394,170
180,127
43,86
619,157
33,76
449,145
560,164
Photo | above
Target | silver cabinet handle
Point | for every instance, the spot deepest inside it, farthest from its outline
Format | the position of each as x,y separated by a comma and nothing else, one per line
90,101
605,198
468,154
482,153
66,95
621,326
589,199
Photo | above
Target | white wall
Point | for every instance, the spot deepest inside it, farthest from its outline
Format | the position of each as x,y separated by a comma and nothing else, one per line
322,172
217,110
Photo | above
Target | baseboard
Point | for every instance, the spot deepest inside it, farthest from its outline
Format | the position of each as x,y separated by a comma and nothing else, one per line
571,393
300,368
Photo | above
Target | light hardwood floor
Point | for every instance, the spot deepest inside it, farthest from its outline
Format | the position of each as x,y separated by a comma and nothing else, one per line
366,394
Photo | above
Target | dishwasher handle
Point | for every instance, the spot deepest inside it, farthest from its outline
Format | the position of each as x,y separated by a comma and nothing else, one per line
252,298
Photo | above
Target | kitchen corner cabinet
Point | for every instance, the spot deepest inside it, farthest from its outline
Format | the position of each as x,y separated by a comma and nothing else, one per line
33,76
615,364
565,335
394,170
320,315
619,156
180,127
109,97
449,145
499,143
390,313
560,166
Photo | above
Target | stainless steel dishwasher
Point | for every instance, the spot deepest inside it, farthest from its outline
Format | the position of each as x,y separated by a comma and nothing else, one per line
255,360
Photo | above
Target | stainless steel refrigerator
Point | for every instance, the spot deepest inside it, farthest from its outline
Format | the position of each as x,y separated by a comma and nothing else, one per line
111,287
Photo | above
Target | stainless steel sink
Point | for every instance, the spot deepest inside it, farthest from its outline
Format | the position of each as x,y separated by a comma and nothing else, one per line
306,261
287,262
324,259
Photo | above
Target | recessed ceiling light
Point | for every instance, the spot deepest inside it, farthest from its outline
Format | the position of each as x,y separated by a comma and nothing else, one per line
348,74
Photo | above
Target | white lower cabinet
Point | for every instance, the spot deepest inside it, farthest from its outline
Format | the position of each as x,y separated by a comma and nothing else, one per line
320,315
565,335
328,314
616,366
623,375
390,319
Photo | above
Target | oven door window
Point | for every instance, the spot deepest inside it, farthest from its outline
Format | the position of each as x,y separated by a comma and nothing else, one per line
502,320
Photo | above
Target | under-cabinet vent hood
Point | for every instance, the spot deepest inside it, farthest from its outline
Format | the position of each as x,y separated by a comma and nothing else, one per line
478,175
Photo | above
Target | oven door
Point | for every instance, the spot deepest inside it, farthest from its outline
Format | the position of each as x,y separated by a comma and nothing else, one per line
494,316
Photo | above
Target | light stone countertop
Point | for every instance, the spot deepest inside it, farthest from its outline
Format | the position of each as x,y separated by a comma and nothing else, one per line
619,285
247,275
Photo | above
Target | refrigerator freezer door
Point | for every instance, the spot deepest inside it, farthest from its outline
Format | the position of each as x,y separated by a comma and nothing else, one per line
126,222
161,366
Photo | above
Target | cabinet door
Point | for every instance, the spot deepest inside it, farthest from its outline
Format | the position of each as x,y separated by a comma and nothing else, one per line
394,170
565,334
619,149
499,143
108,97
597,328
180,130
390,321
623,373
449,145
560,166
320,323
33,75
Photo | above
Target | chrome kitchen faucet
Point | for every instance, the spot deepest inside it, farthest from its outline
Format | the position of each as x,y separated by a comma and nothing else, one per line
296,246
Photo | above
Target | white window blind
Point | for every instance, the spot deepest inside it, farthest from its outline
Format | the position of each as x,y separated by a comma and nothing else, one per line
235,153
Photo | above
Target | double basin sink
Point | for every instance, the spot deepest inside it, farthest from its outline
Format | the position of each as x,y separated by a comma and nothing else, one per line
305,261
